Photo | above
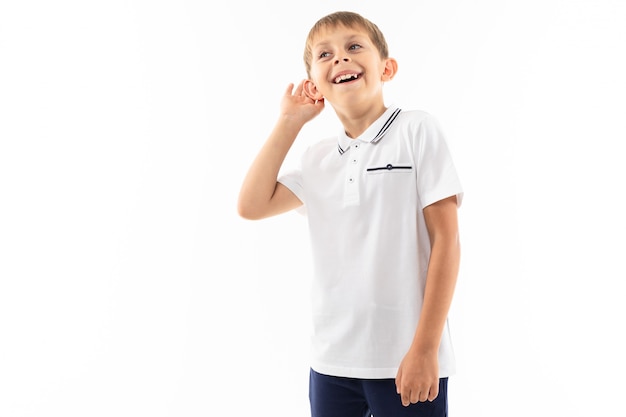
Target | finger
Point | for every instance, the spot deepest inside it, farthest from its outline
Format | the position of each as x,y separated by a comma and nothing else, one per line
289,89
434,392
418,395
423,396
398,378
299,89
406,399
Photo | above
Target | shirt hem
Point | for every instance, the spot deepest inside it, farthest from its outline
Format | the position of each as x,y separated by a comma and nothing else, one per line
366,373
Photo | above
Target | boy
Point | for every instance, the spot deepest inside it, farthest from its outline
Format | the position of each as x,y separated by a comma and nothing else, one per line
381,201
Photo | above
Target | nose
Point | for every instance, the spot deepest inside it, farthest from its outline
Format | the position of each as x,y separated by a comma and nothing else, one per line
344,59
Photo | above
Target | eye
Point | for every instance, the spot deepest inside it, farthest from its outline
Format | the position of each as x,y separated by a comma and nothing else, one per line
354,46
324,55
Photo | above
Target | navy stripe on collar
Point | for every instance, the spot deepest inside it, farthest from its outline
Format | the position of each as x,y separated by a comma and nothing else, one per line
381,132
386,126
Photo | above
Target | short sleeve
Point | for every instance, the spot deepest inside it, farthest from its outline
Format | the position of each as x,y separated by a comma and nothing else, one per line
293,180
437,177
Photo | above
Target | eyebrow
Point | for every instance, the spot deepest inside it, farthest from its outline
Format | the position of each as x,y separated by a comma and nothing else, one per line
350,38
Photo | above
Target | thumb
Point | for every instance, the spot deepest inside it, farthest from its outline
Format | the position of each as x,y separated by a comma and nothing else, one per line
398,379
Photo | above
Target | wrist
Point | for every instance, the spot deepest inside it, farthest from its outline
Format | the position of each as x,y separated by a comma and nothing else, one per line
424,348
293,121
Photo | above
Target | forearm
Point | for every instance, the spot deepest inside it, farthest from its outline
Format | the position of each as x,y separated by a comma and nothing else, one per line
260,183
440,285
418,373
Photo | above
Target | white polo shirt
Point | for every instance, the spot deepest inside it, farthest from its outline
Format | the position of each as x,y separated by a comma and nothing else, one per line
363,199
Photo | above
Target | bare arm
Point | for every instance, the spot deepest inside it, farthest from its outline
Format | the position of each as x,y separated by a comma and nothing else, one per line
418,376
261,195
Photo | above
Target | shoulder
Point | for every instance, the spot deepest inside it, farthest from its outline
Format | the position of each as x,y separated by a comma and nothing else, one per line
416,118
321,147
419,125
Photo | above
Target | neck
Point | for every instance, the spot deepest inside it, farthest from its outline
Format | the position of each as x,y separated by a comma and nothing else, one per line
356,119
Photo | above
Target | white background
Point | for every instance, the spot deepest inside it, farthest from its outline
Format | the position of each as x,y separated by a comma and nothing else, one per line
130,287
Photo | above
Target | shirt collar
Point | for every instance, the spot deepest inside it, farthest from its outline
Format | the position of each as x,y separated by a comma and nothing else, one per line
372,134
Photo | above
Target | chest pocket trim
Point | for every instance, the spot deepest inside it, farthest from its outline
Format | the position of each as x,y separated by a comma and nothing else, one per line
390,167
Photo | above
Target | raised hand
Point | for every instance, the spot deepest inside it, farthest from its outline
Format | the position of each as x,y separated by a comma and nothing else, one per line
297,104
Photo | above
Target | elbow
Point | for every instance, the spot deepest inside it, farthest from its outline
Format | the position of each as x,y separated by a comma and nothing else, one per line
244,212
248,211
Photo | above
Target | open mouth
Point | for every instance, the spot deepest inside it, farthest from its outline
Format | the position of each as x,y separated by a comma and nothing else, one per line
346,78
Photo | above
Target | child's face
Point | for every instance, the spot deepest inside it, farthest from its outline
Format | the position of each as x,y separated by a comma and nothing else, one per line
346,66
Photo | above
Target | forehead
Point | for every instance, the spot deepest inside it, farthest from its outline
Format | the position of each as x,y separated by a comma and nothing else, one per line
330,33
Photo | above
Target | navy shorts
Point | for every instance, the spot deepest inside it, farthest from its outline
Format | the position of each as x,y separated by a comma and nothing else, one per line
333,396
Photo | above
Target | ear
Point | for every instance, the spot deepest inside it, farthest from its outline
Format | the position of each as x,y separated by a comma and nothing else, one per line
390,69
311,90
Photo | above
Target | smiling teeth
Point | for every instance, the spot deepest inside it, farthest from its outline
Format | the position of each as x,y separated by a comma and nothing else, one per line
346,77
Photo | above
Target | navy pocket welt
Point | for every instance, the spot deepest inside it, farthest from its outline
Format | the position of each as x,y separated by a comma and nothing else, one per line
391,167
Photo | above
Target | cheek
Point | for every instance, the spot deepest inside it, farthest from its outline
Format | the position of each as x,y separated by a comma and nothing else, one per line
316,73
318,79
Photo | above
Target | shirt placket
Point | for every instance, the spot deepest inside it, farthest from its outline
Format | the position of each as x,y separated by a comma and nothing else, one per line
351,189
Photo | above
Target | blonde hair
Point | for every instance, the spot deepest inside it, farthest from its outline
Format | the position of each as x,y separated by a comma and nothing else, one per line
350,20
